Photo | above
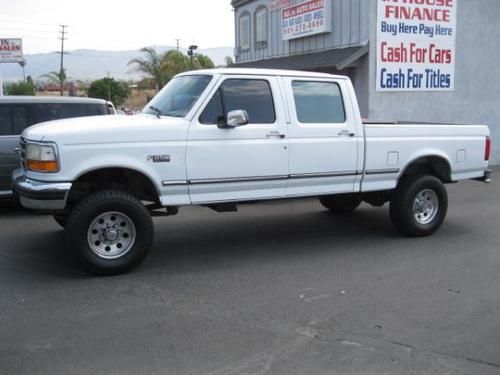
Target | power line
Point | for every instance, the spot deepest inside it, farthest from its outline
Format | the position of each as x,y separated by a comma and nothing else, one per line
10,35
8,28
25,22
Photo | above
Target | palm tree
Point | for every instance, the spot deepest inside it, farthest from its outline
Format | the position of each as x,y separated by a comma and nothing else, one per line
56,78
151,65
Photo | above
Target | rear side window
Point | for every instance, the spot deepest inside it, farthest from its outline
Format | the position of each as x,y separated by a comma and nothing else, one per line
251,95
5,121
13,119
318,102
54,111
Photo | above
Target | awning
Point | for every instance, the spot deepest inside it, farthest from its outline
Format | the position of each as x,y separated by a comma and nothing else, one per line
338,58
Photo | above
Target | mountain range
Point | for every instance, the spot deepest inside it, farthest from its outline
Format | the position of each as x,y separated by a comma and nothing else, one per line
88,64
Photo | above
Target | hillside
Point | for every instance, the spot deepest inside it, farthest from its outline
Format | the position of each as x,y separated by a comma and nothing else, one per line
86,64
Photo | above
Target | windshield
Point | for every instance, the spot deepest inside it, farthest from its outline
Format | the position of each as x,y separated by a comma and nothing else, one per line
178,96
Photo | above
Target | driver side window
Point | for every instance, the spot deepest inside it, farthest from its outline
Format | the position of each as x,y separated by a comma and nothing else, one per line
251,95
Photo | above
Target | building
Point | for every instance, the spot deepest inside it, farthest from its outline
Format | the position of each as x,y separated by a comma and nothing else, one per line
422,60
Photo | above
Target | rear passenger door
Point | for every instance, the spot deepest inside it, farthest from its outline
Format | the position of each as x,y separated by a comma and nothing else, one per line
13,120
323,136
246,162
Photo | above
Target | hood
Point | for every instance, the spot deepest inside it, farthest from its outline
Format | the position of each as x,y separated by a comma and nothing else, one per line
103,129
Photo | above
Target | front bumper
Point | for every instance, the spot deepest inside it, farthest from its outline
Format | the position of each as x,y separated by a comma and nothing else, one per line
39,195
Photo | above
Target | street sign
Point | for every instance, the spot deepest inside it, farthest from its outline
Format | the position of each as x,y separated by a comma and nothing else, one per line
11,50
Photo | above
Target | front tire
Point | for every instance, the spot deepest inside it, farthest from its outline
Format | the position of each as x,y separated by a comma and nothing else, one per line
419,205
110,231
61,219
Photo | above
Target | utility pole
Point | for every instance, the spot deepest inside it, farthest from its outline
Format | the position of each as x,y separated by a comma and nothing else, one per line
63,33
178,43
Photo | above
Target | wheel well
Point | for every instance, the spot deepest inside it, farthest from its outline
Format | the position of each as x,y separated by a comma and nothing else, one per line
433,165
123,179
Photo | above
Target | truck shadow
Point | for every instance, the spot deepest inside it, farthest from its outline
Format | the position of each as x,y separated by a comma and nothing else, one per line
202,244
233,240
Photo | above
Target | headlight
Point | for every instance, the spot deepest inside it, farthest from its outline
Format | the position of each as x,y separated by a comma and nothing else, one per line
41,158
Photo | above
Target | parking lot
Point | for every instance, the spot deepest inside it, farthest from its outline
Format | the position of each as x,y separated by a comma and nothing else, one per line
279,288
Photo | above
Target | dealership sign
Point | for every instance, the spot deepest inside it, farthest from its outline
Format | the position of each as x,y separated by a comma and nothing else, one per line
11,50
307,18
416,45
279,4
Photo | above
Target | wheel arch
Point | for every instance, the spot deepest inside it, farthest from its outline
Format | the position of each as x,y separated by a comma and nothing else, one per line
114,177
434,164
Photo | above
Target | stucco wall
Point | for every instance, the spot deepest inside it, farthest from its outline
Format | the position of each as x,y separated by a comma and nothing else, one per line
476,98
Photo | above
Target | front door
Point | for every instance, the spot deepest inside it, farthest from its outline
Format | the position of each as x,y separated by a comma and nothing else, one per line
241,163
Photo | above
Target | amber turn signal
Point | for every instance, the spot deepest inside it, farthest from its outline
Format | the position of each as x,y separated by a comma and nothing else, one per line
42,166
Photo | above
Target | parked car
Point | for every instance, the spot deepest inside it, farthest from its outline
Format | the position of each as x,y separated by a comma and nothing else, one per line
219,137
19,112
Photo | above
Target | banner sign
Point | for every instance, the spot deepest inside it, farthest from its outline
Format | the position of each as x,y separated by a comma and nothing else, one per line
416,45
279,4
307,18
11,50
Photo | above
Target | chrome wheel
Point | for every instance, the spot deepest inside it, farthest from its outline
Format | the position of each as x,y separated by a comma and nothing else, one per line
111,235
425,206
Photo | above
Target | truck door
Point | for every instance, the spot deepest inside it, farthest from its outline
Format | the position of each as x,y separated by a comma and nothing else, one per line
245,162
324,138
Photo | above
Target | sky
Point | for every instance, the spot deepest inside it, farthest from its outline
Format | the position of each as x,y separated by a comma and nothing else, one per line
117,25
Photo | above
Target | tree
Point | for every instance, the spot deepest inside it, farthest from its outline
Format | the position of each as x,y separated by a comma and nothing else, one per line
229,61
151,66
160,68
56,78
109,89
20,88
204,62
174,62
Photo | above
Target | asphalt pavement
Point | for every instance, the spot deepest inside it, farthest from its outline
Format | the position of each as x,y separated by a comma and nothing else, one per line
277,288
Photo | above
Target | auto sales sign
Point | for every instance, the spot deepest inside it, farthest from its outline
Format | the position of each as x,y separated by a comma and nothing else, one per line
306,18
416,45
11,50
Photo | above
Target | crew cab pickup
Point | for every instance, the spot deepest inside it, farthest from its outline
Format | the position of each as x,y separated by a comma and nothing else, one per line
220,137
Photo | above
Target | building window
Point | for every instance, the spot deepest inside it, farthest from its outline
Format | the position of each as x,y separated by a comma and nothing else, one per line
318,102
261,27
245,31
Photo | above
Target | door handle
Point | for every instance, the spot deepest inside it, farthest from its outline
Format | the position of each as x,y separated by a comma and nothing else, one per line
275,134
346,133
17,150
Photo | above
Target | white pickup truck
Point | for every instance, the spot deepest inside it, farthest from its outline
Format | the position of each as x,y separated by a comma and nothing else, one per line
219,137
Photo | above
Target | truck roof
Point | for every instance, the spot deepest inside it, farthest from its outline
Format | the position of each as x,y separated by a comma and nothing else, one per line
260,71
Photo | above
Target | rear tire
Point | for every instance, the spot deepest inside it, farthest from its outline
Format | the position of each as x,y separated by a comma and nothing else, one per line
110,231
419,205
341,204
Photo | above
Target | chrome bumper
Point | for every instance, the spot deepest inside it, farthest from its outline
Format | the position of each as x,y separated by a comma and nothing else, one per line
39,195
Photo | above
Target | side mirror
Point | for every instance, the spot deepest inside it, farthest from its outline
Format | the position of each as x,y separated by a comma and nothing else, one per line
237,118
